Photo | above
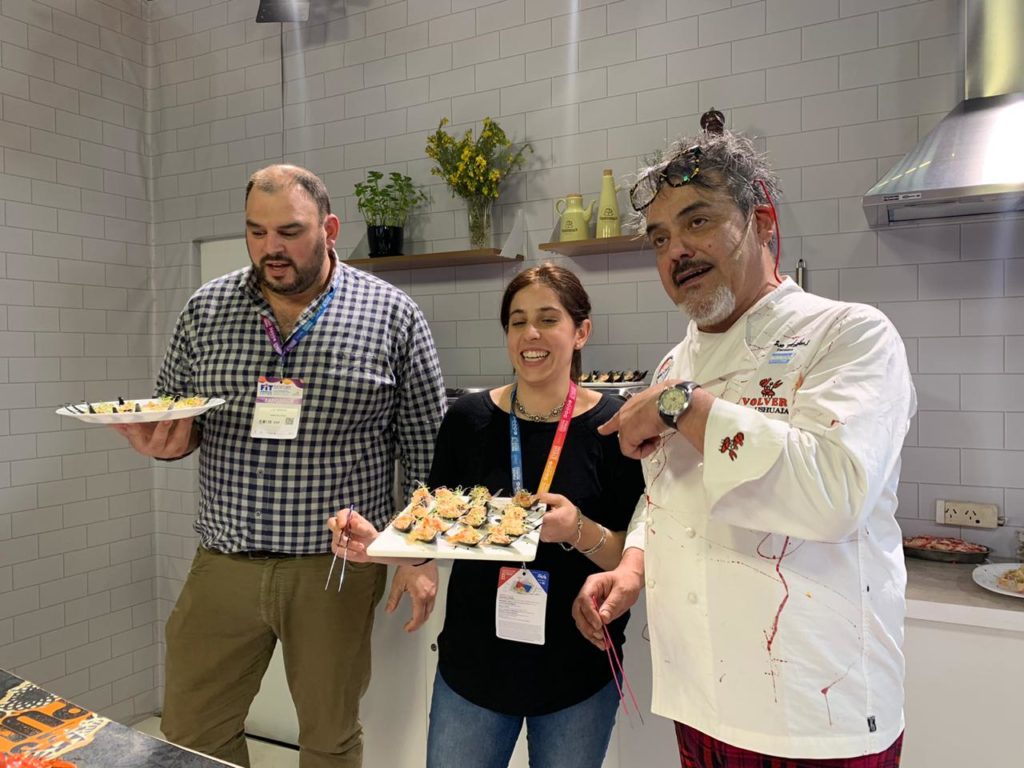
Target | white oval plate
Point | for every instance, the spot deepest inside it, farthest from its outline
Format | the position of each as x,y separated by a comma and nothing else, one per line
987,576
141,417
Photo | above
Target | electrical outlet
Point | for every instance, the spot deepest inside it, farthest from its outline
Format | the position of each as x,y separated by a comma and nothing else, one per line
972,514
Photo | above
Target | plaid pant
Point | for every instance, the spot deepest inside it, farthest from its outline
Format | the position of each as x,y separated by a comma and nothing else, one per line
698,750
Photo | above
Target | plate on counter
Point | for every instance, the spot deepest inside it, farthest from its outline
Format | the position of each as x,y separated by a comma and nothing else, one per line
139,411
395,543
987,576
945,549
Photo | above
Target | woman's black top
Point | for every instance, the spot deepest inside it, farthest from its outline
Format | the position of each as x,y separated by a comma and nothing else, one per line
503,675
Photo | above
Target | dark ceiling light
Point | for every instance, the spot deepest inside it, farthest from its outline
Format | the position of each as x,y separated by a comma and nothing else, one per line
282,10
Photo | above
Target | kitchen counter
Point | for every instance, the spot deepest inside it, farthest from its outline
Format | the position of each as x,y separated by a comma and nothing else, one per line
945,592
35,721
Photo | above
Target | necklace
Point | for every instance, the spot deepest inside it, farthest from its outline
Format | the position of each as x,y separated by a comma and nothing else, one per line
535,417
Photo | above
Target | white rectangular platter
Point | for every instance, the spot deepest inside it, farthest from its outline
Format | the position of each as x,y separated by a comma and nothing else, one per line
393,543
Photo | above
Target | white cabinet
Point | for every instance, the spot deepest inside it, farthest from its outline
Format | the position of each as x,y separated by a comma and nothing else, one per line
964,691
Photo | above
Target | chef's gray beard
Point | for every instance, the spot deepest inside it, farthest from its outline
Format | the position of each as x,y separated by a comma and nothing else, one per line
711,309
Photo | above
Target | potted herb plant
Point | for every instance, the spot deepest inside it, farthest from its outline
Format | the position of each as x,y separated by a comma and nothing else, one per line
386,209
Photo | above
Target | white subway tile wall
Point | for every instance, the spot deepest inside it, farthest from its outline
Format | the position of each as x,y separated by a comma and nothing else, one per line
128,130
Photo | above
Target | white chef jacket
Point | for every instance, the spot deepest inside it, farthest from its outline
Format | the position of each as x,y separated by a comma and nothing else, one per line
775,575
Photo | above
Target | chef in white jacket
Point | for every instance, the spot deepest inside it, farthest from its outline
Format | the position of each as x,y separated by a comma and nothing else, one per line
766,538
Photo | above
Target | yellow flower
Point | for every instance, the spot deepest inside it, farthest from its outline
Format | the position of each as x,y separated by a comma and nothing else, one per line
474,167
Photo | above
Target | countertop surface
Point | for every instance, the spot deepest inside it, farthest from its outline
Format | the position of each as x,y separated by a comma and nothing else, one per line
946,592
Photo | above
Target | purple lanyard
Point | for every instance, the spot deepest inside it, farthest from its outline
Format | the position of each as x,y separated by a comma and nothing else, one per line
282,350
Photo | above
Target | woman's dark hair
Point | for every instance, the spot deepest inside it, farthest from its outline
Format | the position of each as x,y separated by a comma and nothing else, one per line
570,292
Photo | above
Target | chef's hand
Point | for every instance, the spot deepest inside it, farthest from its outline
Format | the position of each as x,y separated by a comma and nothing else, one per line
420,581
358,537
161,439
638,423
559,520
615,592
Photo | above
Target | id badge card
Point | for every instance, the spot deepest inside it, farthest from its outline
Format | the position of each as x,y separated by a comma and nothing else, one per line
278,407
521,603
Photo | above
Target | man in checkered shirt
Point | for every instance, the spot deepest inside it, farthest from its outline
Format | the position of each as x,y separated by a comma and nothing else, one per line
360,354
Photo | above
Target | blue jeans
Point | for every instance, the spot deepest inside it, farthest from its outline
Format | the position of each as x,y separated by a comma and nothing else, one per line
463,735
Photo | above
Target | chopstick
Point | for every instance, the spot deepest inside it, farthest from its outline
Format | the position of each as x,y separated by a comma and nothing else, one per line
346,530
617,669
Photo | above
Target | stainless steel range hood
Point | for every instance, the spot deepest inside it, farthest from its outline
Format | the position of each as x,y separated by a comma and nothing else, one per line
972,162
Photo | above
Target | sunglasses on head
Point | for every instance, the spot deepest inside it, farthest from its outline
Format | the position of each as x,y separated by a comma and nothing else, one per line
675,173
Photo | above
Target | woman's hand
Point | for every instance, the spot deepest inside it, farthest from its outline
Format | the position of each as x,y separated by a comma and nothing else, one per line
352,531
561,521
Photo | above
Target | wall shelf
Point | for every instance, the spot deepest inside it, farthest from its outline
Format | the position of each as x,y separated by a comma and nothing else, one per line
620,244
427,260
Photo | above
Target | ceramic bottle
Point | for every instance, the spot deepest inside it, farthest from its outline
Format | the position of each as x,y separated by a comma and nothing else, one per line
608,207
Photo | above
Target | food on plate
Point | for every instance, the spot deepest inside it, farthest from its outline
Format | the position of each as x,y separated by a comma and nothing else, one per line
498,538
1013,580
479,494
445,494
469,518
421,497
475,517
943,544
450,507
165,403
427,528
404,522
469,537
524,498
612,377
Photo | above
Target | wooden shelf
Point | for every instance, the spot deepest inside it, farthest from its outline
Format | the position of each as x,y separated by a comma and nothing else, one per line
620,244
426,260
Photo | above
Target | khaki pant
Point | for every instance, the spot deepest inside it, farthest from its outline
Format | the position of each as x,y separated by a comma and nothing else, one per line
221,635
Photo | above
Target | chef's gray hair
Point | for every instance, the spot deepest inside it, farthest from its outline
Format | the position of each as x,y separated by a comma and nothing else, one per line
727,160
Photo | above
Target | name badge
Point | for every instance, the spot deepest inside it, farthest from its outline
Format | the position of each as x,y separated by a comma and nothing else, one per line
278,407
521,603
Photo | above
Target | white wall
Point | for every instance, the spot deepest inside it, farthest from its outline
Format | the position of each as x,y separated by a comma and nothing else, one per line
837,89
77,572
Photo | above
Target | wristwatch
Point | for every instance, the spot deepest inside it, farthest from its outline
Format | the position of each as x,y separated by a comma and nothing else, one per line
674,401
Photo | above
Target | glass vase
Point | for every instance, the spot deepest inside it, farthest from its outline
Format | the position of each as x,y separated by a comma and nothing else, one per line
479,211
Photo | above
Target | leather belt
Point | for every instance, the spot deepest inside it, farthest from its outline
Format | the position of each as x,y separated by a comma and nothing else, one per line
263,554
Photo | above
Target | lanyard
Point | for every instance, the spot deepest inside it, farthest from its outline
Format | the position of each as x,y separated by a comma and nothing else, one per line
298,335
556,445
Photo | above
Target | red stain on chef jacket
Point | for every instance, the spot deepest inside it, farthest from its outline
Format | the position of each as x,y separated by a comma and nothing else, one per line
770,634
827,688
731,445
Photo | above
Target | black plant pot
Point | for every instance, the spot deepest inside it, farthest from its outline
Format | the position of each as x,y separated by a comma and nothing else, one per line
385,241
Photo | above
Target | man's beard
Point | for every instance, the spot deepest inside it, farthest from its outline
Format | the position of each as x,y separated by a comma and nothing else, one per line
305,278
710,309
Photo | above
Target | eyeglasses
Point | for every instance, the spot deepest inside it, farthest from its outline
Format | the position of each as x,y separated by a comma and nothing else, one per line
675,173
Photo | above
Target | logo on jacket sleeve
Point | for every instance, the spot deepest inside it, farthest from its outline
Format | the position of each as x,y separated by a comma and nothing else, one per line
662,373
731,445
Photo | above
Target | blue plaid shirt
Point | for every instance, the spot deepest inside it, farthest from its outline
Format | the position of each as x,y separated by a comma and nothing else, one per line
373,393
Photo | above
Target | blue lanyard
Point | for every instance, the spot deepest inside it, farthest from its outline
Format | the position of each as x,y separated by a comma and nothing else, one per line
298,335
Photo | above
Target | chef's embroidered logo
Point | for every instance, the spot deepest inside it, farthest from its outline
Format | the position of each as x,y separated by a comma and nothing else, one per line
663,369
767,402
768,386
731,445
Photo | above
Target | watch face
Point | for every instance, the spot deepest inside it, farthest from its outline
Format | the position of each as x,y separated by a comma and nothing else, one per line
672,400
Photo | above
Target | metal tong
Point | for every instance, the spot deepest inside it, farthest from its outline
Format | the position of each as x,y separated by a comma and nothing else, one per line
346,532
